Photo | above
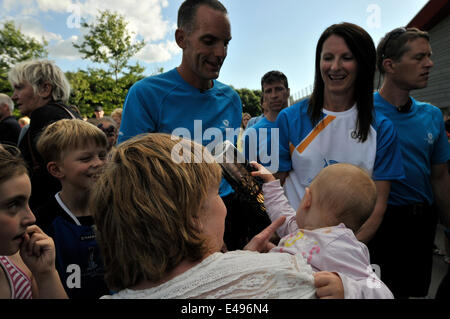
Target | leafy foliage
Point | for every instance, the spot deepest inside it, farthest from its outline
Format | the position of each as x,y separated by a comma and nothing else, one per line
97,87
16,47
251,101
109,42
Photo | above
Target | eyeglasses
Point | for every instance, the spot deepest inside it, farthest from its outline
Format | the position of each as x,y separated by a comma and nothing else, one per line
109,131
394,34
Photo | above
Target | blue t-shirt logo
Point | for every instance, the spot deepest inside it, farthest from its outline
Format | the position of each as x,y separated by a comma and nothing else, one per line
430,139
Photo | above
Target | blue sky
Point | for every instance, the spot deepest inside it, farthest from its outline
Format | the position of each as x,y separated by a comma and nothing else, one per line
267,34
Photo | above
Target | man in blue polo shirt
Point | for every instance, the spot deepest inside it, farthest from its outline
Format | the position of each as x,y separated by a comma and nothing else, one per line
262,139
403,245
188,101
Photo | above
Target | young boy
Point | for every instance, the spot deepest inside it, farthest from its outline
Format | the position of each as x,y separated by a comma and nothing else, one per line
74,152
339,200
27,255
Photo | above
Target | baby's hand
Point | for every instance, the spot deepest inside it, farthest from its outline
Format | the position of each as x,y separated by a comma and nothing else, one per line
262,172
38,251
261,242
328,285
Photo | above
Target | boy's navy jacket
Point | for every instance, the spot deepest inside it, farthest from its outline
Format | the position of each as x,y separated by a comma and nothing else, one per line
78,260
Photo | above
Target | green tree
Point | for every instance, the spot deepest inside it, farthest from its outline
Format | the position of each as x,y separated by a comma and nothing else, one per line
81,94
133,74
96,87
16,47
251,101
109,42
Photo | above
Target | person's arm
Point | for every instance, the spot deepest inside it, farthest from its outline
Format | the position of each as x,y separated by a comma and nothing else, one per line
281,176
370,227
38,253
388,166
261,242
275,201
440,181
285,163
349,259
262,172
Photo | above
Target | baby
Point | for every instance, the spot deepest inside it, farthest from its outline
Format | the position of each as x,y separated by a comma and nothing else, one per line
337,203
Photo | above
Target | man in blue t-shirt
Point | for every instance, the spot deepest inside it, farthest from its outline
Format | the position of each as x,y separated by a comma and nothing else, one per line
188,101
403,245
262,139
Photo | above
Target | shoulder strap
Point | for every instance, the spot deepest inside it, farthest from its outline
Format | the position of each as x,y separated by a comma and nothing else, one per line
36,165
60,105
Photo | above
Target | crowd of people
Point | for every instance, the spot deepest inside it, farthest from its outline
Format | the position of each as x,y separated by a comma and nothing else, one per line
134,205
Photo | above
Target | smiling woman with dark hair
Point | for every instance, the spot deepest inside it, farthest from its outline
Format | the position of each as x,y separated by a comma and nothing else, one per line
338,123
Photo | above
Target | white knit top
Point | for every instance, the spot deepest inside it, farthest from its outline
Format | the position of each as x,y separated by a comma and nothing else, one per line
236,275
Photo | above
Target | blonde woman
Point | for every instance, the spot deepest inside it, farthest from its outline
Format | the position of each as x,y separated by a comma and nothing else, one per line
245,118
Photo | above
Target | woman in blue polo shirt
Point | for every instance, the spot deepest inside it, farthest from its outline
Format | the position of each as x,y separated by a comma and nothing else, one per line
338,124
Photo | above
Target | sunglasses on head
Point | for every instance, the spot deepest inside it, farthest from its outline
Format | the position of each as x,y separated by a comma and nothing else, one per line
109,131
394,34
11,149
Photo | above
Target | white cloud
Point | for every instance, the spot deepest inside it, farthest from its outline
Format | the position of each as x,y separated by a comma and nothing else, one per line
9,5
64,49
33,28
160,52
55,6
145,20
144,17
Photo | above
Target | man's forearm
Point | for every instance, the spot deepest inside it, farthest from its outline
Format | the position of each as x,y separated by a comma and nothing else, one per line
440,182
281,176
370,227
